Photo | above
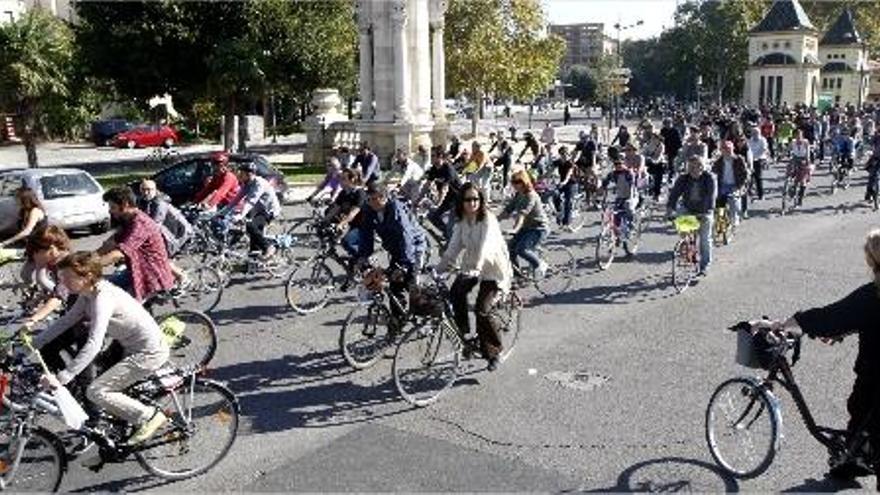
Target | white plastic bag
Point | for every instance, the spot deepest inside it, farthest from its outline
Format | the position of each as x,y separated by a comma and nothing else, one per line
73,414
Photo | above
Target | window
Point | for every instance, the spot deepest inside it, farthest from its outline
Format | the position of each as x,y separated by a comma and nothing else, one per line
9,16
788,44
843,56
67,186
765,46
761,92
839,82
9,185
778,89
775,44
824,83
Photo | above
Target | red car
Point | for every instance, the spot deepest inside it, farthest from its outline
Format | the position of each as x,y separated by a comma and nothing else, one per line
146,136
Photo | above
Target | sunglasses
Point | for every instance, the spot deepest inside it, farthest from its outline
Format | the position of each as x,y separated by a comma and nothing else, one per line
472,199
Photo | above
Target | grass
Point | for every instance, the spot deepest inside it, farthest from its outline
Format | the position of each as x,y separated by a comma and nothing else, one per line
295,173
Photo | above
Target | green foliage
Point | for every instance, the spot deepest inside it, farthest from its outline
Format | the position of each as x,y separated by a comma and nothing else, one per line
498,47
867,17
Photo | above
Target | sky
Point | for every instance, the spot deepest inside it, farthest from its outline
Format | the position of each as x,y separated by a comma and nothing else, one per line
655,13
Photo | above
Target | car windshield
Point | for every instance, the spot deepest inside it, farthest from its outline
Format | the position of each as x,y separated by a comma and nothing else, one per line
67,185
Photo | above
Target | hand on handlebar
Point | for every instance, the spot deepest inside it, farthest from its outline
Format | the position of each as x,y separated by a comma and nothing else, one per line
50,382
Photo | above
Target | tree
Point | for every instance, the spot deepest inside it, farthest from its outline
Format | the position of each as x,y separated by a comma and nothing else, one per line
823,15
581,81
499,47
36,53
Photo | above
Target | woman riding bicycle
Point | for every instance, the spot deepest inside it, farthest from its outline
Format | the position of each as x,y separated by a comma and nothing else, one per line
800,167
478,239
110,312
31,215
858,313
531,226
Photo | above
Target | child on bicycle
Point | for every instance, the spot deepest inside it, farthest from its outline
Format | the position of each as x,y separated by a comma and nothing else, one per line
113,313
626,194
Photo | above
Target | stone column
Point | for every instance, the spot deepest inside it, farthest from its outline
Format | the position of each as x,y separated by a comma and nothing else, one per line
401,72
365,33
438,61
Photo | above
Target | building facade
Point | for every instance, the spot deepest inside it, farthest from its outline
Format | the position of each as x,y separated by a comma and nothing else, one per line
11,10
585,44
790,63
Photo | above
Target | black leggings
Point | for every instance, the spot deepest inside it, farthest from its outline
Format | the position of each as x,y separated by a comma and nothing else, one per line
487,326
256,229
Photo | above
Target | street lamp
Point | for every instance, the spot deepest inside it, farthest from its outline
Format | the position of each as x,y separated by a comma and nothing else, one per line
619,29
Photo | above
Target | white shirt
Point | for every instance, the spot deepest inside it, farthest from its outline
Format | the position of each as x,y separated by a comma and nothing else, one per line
758,147
482,249
548,136
412,172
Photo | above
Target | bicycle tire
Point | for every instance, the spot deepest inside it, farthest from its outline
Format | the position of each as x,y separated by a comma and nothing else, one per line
304,240
364,336
683,269
606,247
42,465
198,419
309,279
192,338
508,311
746,388
427,362
561,265
642,220
204,290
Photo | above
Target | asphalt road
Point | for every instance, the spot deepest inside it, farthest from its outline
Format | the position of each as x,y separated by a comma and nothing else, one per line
606,390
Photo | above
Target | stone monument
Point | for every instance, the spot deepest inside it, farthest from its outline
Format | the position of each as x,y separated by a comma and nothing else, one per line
402,85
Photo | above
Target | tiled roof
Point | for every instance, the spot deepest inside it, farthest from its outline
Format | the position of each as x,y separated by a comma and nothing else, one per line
785,15
843,32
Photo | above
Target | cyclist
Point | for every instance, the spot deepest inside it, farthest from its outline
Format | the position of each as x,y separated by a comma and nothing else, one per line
733,175
368,162
110,312
531,144
478,240
505,159
221,188
859,313
446,182
257,203
411,178
760,151
845,152
626,196
479,168
332,182
622,138
784,132
768,131
31,216
672,143
653,151
403,240
548,137
800,166
344,212
697,191
566,188
531,226
873,167
176,229
139,244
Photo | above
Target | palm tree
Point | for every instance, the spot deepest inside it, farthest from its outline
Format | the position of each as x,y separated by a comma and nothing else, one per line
36,57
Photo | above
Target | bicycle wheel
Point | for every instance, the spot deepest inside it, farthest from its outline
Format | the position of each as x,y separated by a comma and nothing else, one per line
282,263
742,428
202,426
203,291
560,270
684,266
508,311
426,362
786,193
606,246
42,465
309,287
191,335
364,335
578,212
642,220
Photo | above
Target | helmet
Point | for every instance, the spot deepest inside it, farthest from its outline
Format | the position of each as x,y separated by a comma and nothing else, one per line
250,167
220,157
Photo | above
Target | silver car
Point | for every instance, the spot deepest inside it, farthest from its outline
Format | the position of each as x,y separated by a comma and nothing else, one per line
72,198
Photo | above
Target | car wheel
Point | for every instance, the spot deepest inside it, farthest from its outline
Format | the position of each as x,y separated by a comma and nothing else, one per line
131,144
100,228
168,142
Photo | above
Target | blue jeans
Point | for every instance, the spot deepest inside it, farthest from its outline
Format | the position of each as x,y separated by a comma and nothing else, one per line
524,243
122,279
352,240
729,198
565,196
706,223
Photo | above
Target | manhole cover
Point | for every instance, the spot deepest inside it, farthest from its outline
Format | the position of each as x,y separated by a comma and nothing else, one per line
578,380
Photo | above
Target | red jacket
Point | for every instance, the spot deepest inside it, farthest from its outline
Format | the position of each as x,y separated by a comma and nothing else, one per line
219,191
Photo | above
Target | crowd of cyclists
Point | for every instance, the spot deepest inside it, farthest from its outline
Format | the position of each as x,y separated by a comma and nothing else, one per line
451,200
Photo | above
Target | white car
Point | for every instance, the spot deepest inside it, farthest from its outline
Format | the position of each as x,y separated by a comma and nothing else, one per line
72,198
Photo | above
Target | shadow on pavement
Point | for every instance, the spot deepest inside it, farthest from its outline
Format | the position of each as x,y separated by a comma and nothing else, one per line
251,314
672,474
135,484
824,485
650,288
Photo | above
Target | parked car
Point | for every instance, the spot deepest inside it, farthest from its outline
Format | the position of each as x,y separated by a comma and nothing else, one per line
72,198
147,135
103,131
182,180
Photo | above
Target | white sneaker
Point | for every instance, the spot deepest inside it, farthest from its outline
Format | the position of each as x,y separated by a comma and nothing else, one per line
541,270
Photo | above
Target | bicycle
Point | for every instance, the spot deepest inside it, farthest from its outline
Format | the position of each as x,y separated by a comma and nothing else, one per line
561,266
35,459
309,285
232,255
616,231
796,173
427,361
840,177
744,413
723,227
686,253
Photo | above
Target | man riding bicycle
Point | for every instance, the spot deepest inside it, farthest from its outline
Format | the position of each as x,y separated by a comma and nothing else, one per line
733,175
258,203
697,192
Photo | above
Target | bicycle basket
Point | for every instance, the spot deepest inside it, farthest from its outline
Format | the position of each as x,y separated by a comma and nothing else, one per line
7,255
686,224
425,301
754,351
